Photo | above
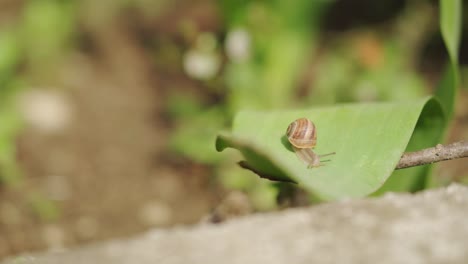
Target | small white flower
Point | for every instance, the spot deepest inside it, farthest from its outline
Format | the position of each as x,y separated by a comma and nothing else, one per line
238,45
201,65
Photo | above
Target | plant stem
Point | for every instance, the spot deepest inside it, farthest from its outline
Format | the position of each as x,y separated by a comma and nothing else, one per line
438,153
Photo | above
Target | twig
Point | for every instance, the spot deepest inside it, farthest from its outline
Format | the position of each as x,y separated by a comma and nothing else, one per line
438,153
435,154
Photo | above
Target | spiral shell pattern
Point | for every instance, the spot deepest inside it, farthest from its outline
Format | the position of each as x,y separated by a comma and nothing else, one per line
302,133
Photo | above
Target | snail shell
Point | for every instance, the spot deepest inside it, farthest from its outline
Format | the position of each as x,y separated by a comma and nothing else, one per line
302,133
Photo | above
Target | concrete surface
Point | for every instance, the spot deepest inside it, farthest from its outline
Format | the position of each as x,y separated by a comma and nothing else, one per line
429,227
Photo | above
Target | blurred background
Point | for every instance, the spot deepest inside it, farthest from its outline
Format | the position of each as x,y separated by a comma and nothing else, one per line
109,109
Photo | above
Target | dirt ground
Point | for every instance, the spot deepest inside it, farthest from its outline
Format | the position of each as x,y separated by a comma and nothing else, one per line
109,171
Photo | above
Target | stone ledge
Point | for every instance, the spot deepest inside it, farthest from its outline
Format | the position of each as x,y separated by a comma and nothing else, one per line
429,227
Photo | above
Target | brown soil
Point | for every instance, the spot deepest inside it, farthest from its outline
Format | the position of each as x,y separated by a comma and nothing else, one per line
110,171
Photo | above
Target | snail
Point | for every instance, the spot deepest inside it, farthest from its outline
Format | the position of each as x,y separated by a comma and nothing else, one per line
302,135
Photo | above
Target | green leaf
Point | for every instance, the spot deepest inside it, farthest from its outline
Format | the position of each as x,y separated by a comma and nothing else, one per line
447,90
428,132
368,139
450,25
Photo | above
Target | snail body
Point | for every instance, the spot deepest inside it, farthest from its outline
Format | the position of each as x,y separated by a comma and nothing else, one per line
302,134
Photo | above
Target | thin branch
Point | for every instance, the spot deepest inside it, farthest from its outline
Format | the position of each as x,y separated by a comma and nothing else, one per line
438,153
435,154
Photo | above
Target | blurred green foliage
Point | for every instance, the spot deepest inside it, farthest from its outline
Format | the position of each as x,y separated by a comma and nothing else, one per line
364,65
284,40
10,124
380,81
280,36
46,28
45,209
29,46
9,129
373,71
450,25
9,56
37,39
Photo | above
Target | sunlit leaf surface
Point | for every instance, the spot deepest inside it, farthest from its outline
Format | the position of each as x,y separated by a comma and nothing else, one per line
368,140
